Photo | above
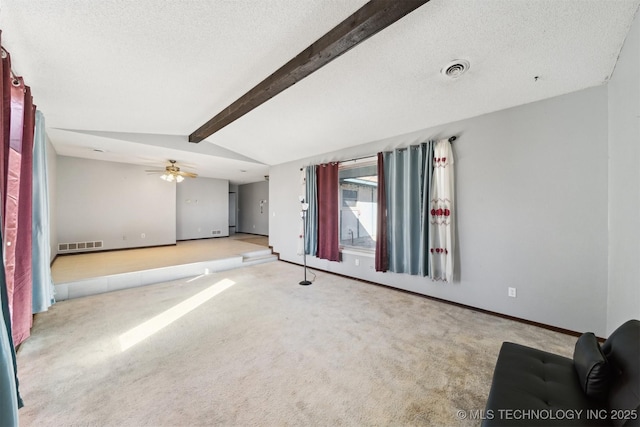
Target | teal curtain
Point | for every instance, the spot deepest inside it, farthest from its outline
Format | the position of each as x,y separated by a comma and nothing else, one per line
311,226
407,180
10,400
43,288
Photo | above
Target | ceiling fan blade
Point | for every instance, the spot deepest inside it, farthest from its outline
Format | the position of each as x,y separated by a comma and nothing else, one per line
188,174
185,164
172,169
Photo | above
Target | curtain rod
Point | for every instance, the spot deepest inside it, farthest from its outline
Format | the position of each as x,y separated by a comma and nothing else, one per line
451,139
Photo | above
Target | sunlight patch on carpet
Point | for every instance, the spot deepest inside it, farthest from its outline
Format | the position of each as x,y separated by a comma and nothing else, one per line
162,320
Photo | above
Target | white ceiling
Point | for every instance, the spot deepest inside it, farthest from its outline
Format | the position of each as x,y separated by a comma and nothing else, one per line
134,78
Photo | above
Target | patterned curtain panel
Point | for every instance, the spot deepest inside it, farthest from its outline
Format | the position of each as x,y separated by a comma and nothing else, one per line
328,245
43,288
441,248
407,175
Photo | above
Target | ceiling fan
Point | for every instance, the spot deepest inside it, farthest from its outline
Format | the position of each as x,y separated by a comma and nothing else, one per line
173,173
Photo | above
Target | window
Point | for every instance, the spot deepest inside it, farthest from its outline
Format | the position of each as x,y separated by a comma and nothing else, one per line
358,187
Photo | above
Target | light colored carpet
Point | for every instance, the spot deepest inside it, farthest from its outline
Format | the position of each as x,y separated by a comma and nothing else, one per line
252,238
265,352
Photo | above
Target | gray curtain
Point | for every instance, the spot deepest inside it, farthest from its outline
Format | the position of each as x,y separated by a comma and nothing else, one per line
408,173
311,226
9,397
41,250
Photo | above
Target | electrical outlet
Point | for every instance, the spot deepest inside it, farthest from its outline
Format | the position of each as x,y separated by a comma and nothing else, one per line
142,236
357,261
512,292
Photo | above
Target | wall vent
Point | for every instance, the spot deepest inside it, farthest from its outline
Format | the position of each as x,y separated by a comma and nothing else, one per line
79,246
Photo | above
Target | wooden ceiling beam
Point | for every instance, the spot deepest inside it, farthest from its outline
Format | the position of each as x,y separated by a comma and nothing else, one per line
371,18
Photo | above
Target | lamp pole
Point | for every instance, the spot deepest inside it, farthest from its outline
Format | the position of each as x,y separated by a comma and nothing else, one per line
303,214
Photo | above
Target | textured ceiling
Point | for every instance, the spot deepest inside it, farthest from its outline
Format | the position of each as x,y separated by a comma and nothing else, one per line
134,78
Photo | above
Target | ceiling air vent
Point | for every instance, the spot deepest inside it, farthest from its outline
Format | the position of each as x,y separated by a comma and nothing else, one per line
455,68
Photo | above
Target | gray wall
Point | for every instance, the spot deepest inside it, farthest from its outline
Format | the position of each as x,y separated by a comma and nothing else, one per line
113,202
250,218
202,208
624,184
52,170
531,196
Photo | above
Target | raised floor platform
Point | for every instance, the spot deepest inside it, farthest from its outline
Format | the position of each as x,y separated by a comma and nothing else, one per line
81,275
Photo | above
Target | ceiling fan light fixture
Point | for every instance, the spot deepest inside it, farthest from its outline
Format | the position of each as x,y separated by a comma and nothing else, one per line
172,176
173,173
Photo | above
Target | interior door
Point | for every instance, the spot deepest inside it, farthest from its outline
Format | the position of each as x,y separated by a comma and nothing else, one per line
233,212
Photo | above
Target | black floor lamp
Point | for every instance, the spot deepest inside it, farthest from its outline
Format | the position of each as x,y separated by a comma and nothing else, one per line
303,213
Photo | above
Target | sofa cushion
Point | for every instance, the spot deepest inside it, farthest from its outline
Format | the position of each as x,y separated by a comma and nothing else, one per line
529,384
592,367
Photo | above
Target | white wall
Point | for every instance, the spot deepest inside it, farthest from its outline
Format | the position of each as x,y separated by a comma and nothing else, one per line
250,217
113,202
624,184
532,212
202,208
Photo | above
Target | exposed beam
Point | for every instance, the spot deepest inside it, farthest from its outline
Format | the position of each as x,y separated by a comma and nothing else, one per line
365,22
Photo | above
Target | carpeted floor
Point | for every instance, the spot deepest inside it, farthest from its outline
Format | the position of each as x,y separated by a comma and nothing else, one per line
257,349
252,238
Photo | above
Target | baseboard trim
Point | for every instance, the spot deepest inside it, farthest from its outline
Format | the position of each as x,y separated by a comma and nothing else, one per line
457,304
201,238
253,234
113,250
275,253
